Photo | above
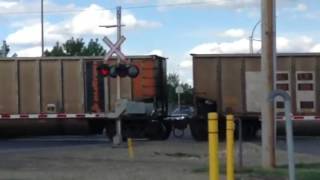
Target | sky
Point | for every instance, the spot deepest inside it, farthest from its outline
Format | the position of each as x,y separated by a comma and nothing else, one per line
169,28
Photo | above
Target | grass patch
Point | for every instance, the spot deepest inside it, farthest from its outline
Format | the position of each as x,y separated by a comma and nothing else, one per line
278,174
178,155
200,170
308,174
303,172
304,166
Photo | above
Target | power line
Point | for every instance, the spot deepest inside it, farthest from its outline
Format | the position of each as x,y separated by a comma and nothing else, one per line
105,9
169,5
48,12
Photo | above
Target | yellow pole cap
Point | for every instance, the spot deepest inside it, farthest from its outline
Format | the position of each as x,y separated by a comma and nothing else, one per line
212,115
230,117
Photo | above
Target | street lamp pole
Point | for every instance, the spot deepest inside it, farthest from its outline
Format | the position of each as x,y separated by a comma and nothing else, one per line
251,36
42,32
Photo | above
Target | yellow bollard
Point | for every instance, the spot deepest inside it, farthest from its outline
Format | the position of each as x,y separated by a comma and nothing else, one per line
130,148
230,147
213,146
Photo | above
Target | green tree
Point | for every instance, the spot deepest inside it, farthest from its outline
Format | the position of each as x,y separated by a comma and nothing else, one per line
77,47
173,81
94,49
74,47
187,95
5,49
57,50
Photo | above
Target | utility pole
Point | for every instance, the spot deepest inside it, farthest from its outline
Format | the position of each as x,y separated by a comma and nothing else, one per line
42,34
118,138
179,91
268,59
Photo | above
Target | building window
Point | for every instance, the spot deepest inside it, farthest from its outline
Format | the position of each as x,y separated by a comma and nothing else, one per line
306,105
284,87
305,87
305,76
280,104
282,76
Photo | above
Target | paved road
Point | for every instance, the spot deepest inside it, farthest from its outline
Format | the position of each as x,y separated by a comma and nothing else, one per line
92,157
47,142
306,145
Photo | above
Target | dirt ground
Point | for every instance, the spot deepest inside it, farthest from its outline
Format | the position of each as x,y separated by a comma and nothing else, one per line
153,160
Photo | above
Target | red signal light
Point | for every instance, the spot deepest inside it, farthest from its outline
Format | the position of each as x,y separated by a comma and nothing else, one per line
103,70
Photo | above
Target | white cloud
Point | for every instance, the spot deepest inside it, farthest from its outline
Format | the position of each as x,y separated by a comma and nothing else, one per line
145,24
234,33
186,63
25,35
95,15
32,6
238,46
315,48
301,7
233,4
88,21
30,52
295,9
7,4
132,1
31,35
189,81
81,24
284,44
156,52
297,44
251,7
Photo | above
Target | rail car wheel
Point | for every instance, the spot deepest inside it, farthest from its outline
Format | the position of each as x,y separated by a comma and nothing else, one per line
167,130
95,126
110,130
250,128
199,129
157,130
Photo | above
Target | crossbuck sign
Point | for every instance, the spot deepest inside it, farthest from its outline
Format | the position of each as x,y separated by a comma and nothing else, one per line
114,48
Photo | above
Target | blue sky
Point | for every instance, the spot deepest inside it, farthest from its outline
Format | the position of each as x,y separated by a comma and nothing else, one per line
158,27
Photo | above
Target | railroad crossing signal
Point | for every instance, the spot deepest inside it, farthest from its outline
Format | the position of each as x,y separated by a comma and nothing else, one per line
114,48
121,70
